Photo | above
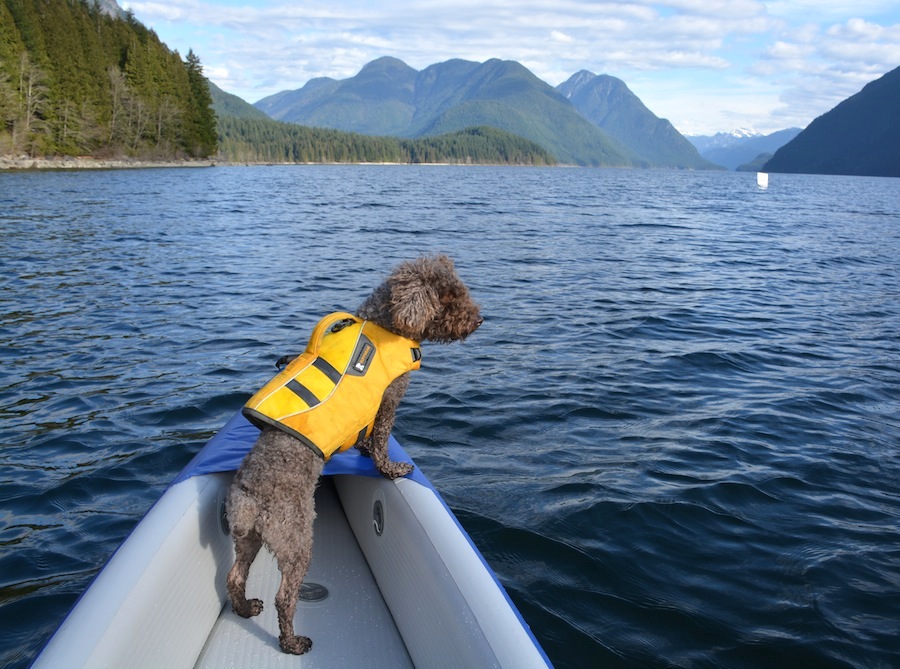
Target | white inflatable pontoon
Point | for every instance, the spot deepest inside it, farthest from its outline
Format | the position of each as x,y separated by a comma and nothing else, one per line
394,582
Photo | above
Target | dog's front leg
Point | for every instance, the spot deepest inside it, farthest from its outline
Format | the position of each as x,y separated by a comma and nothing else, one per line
377,445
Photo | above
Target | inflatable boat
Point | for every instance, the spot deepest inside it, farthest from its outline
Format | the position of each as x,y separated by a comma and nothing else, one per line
394,582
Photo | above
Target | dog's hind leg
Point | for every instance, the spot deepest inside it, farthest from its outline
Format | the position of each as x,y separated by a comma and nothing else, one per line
292,574
245,548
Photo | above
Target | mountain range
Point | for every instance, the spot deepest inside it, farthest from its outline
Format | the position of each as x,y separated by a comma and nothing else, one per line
721,139
588,120
741,147
860,136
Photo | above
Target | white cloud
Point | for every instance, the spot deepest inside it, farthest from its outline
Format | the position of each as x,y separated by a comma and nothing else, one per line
558,36
818,66
165,12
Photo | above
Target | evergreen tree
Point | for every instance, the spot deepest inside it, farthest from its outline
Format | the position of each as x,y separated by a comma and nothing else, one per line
9,107
30,132
200,132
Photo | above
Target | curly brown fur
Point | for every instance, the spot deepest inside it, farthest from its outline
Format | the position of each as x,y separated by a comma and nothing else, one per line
271,498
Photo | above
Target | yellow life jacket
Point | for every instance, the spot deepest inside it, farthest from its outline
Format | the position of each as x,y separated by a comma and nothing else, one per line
328,396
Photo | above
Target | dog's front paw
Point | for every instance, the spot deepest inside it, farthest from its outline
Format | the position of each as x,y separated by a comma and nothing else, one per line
252,607
296,645
394,470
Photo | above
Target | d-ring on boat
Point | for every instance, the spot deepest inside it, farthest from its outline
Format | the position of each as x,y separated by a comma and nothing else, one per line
394,581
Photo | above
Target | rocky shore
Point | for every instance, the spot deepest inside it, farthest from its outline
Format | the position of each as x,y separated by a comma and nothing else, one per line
88,163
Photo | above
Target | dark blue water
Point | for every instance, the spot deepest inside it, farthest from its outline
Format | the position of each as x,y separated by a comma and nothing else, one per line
675,438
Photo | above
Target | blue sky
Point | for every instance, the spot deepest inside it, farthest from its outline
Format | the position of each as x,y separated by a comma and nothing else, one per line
706,65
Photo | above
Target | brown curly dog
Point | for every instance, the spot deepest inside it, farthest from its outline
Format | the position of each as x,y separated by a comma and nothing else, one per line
271,499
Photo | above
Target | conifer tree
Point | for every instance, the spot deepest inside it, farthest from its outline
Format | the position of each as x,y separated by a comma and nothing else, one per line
34,102
201,135
8,111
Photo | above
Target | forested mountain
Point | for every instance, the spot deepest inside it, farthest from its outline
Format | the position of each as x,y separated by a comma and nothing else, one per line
755,165
387,97
226,104
860,136
247,135
76,78
607,102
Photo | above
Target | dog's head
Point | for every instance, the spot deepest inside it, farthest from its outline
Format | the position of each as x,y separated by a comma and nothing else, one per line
424,299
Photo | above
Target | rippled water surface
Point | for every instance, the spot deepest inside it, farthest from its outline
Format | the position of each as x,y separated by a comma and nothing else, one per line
675,438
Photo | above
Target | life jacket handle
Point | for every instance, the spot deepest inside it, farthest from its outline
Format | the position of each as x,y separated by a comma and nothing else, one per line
331,323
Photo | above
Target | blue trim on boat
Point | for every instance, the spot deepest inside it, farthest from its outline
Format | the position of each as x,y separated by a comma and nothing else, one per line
228,447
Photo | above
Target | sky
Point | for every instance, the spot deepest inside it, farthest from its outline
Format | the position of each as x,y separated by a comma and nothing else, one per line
706,65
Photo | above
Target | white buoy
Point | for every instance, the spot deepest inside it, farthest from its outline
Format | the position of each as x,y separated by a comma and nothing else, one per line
762,179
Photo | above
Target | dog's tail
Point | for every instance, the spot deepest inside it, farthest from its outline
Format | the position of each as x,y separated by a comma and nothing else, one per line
242,511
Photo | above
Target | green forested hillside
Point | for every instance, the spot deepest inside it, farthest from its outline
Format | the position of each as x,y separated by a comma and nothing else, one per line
77,81
226,104
243,139
476,144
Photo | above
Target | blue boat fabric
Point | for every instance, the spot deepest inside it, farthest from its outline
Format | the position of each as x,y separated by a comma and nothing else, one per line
228,447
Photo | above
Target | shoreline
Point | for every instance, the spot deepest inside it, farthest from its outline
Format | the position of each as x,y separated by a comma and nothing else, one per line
89,163
23,163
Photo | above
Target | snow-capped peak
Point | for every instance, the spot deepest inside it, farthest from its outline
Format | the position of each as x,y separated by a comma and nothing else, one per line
742,133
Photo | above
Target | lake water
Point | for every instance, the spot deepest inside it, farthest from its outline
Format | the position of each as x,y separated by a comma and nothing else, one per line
675,438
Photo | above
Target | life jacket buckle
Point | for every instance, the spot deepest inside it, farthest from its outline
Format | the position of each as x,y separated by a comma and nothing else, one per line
284,361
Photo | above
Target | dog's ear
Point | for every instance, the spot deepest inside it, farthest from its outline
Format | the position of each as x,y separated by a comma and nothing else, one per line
414,301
